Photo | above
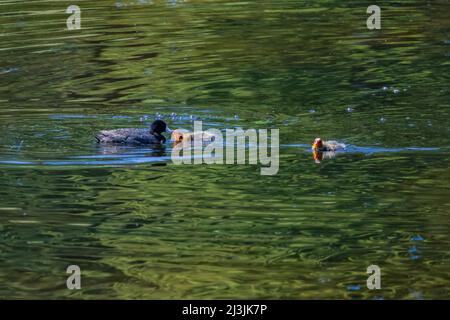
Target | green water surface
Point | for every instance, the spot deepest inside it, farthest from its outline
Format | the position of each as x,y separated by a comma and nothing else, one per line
141,227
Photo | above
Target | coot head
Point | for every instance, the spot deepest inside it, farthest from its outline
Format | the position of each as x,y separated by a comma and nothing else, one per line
158,126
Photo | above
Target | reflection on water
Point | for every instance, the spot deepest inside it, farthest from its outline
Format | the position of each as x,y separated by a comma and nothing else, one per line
141,227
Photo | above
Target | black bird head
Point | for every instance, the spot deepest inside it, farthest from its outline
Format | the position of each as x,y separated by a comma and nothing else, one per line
158,127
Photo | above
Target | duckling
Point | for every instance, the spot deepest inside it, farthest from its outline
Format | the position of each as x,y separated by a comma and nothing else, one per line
135,136
180,135
324,146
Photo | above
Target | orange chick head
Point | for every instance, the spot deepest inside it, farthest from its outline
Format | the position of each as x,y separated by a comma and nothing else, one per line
317,144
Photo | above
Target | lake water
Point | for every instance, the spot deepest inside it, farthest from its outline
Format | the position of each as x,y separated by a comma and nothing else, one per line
141,227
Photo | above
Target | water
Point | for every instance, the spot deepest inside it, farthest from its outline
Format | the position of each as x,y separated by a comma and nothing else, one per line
140,227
